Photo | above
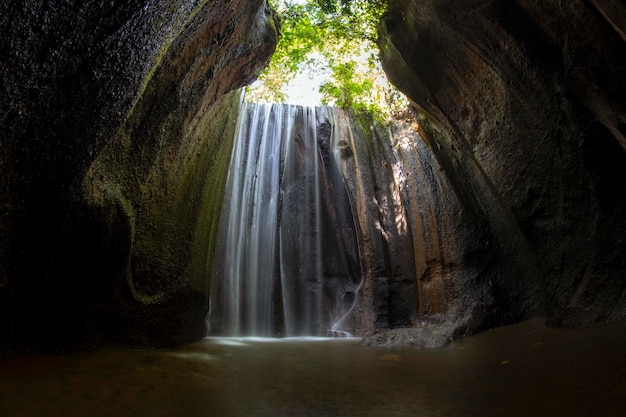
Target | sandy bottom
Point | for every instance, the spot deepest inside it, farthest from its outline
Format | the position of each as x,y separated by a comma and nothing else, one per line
521,370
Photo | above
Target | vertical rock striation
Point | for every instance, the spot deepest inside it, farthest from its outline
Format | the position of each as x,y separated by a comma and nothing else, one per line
287,259
428,258
118,120
116,136
522,105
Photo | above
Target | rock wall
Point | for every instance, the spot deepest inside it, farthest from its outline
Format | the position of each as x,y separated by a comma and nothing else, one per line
371,166
116,122
114,149
523,112
429,259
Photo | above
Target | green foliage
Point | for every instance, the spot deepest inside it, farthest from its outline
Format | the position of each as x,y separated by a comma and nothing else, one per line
336,38
346,90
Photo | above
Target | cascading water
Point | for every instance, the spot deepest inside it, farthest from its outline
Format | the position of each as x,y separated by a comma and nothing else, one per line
287,257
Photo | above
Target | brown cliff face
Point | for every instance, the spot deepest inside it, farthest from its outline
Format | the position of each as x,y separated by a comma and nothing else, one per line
117,125
116,137
522,104
429,260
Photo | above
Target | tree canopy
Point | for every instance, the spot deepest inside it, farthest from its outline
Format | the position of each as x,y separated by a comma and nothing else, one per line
337,40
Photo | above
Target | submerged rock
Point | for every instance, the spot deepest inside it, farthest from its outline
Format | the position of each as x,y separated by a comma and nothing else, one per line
424,335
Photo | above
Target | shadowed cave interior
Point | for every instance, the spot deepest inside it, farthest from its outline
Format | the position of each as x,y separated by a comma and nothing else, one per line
497,200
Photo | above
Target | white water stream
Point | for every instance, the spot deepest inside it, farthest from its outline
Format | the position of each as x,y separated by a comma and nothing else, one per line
287,254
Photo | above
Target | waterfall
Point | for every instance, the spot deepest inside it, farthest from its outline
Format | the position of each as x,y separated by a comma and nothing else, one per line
287,257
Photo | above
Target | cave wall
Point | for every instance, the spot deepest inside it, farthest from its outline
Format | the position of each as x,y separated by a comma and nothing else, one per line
117,126
116,122
522,107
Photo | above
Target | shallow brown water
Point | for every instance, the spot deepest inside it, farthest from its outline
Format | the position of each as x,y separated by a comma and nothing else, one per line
521,370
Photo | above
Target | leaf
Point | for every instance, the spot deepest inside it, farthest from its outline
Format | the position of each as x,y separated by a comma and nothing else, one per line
336,37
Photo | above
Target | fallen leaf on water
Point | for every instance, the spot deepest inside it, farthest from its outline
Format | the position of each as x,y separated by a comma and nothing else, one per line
390,357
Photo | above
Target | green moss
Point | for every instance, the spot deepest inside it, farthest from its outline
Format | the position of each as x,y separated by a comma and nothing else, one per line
214,171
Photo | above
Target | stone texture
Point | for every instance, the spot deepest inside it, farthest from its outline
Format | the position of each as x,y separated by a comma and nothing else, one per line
523,112
429,261
112,163
369,166
116,121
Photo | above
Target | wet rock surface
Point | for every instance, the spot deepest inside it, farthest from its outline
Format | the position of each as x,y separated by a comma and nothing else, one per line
112,162
117,125
522,107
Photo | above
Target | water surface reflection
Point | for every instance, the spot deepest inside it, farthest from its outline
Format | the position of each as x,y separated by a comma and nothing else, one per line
525,370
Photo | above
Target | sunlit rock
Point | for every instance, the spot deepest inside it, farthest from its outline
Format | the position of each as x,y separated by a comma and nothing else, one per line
522,105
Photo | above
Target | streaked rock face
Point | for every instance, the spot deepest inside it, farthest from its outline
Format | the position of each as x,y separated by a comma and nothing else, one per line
522,104
116,138
428,257
117,124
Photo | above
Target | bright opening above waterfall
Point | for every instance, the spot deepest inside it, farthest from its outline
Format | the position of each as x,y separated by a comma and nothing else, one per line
303,89
327,54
